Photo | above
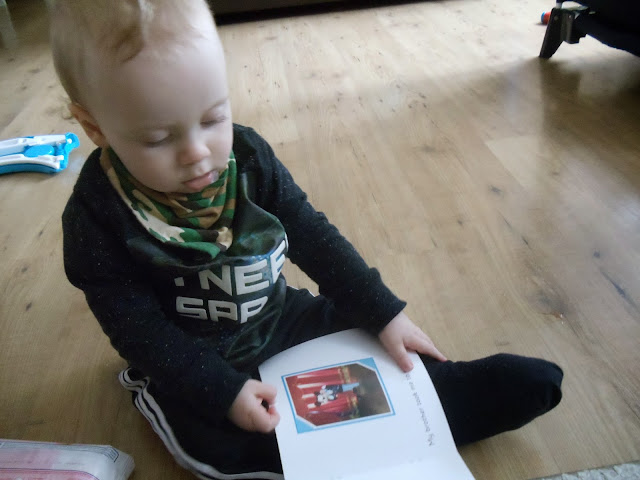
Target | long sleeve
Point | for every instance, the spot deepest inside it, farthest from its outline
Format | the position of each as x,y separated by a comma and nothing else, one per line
126,306
319,249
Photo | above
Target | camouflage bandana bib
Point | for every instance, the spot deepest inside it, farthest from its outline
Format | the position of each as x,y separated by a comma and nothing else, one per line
200,221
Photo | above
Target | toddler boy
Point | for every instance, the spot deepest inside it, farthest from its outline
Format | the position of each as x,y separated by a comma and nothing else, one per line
177,231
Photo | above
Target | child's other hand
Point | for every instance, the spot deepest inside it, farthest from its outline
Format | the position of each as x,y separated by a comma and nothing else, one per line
248,412
400,335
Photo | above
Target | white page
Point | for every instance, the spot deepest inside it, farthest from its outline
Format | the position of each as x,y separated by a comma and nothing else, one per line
399,429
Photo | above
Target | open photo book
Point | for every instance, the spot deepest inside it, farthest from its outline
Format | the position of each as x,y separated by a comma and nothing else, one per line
349,412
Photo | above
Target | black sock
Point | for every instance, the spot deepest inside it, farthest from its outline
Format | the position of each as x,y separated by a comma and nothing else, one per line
491,395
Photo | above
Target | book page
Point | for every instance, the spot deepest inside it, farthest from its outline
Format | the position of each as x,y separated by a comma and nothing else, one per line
349,412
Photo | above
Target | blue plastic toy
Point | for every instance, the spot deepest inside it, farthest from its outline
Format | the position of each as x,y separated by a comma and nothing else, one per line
44,153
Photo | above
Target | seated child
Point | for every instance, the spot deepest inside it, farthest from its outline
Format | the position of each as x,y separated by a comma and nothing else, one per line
177,231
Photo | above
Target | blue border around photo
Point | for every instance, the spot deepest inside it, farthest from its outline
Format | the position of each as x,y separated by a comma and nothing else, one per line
304,426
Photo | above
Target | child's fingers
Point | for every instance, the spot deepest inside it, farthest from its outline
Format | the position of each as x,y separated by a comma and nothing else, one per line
265,420
423,344
274,415
399,353
267,392
433,352
401,334
247,410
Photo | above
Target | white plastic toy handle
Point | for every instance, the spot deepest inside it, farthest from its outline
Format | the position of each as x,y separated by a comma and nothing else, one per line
47,140
17,145
52,161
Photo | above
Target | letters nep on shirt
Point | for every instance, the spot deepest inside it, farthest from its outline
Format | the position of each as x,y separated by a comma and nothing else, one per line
232,291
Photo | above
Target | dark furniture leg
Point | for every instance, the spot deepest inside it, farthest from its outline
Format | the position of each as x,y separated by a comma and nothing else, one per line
560,29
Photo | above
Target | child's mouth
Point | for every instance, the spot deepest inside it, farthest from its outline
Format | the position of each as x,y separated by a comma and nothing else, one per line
202,181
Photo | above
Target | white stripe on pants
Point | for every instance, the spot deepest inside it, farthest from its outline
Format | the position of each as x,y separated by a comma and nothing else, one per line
148,406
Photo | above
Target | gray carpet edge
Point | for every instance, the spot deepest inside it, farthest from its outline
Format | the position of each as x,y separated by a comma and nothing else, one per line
624,471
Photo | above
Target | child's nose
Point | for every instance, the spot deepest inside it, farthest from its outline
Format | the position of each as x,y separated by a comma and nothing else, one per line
193,151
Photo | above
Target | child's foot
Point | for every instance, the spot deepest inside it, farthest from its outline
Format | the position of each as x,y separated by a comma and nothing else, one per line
491,395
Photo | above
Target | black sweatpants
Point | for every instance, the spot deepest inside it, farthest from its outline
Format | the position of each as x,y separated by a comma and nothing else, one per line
480,398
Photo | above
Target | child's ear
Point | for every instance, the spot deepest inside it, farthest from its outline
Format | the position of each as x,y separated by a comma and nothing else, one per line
89,124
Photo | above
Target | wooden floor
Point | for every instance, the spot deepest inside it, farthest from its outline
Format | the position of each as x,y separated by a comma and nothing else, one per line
498,194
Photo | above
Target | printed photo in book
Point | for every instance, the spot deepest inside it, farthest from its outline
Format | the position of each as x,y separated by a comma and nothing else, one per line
337,395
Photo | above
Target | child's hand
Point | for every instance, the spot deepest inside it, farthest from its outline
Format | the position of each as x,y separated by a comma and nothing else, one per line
401,334
248,412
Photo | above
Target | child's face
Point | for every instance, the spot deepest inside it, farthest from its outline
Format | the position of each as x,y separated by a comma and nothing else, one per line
169,118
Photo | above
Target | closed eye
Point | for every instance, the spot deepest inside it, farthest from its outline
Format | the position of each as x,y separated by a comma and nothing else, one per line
157,142
213,121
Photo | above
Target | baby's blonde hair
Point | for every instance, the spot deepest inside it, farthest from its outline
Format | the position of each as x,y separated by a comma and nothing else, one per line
114,31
